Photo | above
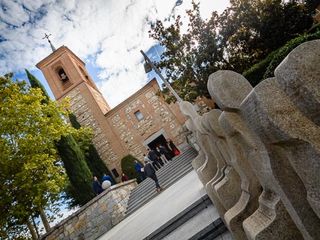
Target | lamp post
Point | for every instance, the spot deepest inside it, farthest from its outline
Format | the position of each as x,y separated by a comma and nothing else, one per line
149,66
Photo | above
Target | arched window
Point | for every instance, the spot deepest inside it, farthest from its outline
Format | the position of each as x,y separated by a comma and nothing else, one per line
62,75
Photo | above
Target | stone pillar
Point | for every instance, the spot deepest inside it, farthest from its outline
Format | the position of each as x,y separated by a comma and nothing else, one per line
291,134
229,89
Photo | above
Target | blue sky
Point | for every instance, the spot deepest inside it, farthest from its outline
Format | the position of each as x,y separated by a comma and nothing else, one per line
106,34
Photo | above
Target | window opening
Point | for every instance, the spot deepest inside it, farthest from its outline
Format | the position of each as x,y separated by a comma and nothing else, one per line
138,115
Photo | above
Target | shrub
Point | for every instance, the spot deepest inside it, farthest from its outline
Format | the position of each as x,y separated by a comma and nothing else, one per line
127,166
256,72
286,49
266,67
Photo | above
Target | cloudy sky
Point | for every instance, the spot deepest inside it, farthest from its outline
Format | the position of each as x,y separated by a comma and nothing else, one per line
106,34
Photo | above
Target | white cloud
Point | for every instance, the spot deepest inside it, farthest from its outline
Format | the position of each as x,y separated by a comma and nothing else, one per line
111,31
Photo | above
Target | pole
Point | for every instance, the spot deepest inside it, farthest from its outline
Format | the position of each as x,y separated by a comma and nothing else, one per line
160,75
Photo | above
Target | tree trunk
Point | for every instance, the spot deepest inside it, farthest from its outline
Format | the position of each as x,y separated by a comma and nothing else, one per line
35,226
44,220
31,229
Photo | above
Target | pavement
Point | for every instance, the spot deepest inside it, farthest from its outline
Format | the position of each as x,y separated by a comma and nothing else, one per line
159,210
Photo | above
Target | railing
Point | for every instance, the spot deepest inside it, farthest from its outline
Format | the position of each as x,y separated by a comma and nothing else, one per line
259,157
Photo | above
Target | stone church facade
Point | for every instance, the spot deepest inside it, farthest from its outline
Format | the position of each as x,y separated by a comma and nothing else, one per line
143,120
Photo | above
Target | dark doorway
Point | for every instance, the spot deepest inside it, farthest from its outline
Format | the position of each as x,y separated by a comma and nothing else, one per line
158,141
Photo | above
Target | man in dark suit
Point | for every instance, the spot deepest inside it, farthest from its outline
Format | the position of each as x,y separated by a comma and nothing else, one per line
151,173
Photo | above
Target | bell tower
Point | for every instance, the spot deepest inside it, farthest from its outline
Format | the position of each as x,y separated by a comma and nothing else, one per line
64,72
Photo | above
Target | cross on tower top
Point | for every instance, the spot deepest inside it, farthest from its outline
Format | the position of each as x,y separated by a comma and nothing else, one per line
51,45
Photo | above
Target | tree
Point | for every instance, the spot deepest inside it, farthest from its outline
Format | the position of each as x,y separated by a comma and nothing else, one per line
190,57
93,160
251,30
312,5
79,189
77,170
31,175
244,34
35,83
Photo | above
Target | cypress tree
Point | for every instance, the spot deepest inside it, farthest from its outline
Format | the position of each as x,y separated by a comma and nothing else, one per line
76,169
80,178
35,83
94,162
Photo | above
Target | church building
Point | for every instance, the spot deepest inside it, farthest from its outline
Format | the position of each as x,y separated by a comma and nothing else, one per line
143,120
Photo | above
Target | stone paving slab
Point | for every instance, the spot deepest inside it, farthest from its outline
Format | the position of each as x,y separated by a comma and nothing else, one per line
159,210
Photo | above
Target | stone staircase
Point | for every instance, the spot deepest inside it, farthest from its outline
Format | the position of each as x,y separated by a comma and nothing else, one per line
167,175
199,221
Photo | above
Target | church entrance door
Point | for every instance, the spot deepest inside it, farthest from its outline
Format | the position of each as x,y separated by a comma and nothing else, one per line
155,139
156,142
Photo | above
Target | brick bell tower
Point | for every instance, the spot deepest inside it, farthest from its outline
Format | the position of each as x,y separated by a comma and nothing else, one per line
64,72
67,77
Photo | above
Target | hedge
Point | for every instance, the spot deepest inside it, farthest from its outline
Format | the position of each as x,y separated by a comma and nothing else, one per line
286,49
266,67
256,72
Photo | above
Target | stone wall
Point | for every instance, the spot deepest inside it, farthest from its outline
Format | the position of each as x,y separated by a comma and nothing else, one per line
259,156
157,116
79,106
96,217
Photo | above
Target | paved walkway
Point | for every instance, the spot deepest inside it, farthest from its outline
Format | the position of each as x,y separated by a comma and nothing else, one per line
159,210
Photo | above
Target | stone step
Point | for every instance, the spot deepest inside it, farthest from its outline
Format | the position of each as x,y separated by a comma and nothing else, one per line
148,195
168,169
184,155
186,158
163,181
152,193
212,231
167,175
189,223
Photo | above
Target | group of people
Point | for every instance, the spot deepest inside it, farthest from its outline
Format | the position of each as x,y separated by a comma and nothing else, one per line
154,160
106,183
98,187
161,154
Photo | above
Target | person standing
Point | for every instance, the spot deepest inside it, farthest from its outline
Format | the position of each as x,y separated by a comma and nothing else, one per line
151,173
124,177
107,178
154,159
160,159
139,169
162,156
106,182
96,186
164,152
175,151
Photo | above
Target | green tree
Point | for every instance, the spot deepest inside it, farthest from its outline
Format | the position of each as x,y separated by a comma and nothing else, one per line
244,34
31,176
77,170
189,57
252,29
94,162
312,5
35,83
79,189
